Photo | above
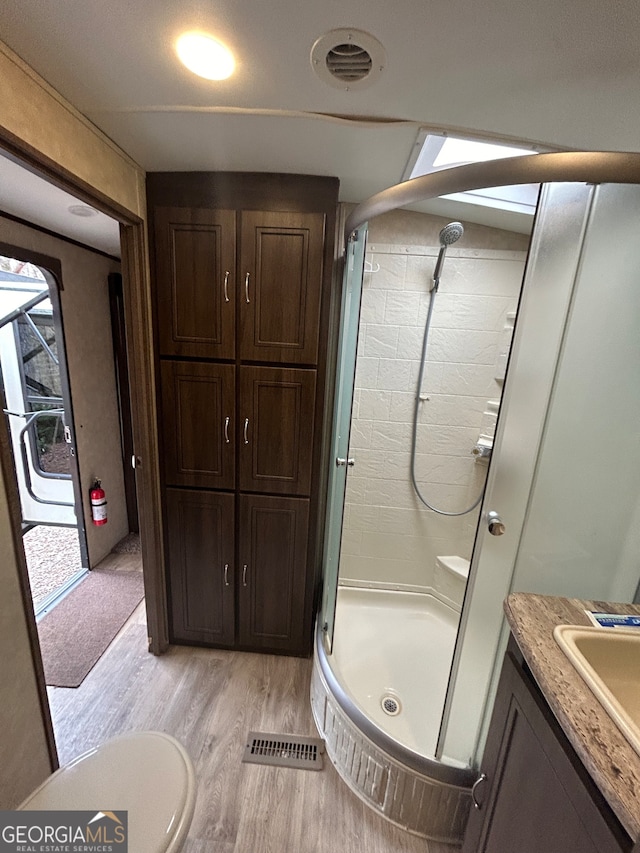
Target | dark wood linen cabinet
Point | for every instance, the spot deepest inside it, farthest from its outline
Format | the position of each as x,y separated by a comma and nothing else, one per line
242,270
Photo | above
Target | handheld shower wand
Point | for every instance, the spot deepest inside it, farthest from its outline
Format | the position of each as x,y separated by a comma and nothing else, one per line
451,233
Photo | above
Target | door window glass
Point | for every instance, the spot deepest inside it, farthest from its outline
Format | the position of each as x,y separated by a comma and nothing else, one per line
42,389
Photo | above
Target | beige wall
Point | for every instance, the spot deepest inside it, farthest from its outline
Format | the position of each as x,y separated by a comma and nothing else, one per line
87,327
39,118
35,120
422,229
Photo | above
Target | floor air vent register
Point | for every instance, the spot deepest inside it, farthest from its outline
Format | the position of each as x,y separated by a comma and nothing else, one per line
304,753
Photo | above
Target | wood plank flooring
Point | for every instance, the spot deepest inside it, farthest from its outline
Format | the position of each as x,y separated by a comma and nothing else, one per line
209,700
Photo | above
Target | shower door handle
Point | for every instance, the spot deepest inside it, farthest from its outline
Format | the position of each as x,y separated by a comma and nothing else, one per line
495,524
341,462
481,778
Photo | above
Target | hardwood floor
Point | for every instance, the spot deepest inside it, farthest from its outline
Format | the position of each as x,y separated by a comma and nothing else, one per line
209,700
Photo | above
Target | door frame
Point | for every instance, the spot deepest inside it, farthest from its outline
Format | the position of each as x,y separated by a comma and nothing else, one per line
139,335
121,357
52,270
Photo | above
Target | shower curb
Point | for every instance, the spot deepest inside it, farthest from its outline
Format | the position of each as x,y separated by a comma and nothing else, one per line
416,802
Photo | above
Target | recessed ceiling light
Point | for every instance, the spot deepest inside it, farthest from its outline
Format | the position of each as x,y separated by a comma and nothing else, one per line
205,56
82,210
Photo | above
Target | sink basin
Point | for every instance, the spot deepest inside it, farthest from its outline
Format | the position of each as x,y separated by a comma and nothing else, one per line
608,659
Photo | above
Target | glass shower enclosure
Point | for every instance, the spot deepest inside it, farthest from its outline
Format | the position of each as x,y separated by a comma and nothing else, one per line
340,460
565,467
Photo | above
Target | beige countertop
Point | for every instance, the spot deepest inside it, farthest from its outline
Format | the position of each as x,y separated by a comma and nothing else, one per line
611,761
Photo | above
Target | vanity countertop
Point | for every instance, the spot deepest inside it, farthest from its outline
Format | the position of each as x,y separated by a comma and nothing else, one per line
610,759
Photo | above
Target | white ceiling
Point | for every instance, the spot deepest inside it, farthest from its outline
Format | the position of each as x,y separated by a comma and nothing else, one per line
561,74
33,199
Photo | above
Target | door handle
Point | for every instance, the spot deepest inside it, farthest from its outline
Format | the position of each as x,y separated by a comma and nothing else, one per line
245,431
246,288
481,778
226,430
341,461
495,524
226,285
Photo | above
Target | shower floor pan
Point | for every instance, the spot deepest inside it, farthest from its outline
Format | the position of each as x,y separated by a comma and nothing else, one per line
378,703
396,644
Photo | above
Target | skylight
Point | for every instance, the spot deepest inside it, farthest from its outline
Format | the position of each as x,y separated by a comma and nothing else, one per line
436,152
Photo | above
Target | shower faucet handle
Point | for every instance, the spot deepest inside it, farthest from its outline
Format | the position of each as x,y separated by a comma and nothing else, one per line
495,524
341,461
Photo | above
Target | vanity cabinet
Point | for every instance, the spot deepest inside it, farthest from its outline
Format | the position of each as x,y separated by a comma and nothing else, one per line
243,274
536,795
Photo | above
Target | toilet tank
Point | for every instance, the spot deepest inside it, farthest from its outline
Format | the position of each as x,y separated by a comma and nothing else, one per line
450,578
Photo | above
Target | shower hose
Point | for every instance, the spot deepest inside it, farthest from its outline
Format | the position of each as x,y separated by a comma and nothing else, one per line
416,412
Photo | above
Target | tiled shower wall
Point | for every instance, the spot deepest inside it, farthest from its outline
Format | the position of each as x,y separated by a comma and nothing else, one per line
389,538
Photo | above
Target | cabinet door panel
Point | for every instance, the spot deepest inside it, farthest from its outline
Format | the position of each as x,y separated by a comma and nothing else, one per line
200,533
195,274
198,410
281,286
275,416
272,572
537,796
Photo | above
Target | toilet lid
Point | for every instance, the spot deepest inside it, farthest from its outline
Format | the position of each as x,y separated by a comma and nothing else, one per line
148,774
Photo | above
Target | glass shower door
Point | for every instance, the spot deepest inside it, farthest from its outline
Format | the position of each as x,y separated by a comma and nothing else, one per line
340,463
567,466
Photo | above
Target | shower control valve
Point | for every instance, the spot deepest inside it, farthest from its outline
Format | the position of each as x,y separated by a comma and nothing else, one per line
340,462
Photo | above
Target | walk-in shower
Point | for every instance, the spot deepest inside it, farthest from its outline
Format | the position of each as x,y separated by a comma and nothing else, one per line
406,647
426,393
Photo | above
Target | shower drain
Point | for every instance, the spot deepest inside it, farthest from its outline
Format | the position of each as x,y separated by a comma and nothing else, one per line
390,705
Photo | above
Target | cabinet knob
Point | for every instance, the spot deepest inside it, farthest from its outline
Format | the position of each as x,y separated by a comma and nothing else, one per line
481,778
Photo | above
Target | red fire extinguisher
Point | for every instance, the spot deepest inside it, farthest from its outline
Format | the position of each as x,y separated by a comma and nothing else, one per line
98,504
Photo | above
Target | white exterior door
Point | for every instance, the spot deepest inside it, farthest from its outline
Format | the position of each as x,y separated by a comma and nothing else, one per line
36,408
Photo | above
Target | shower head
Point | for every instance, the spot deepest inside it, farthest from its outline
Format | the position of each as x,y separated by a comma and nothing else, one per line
451,233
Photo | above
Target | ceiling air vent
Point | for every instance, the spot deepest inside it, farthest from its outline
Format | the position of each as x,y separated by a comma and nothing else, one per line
348,59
